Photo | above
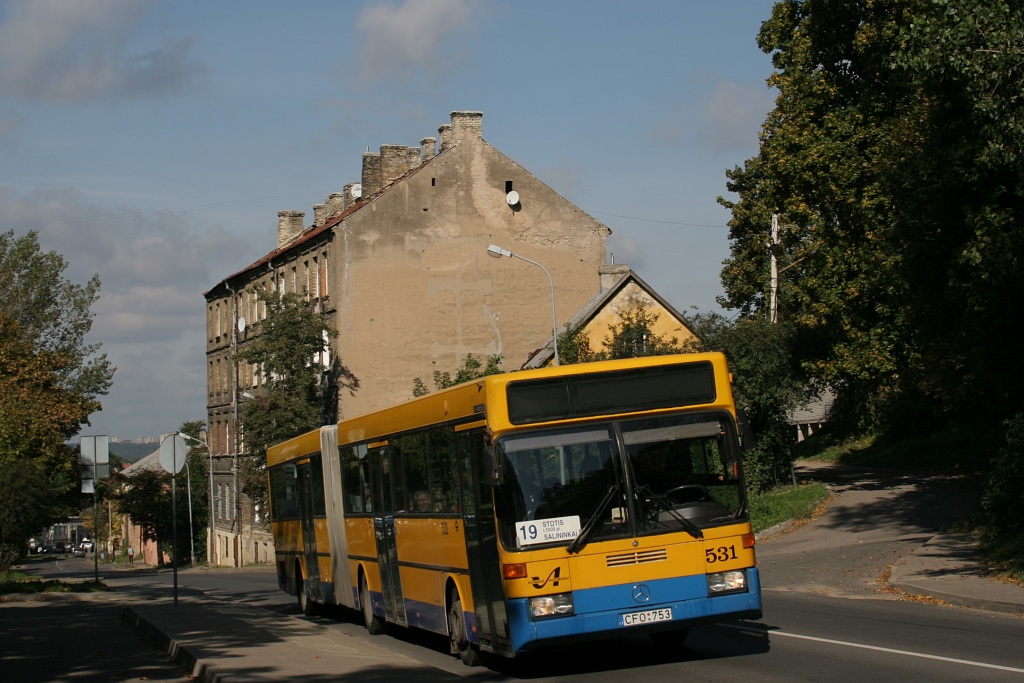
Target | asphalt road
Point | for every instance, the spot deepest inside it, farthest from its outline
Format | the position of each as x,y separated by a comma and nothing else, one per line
828,615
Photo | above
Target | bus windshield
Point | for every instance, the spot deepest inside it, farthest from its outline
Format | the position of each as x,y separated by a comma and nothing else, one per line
620,479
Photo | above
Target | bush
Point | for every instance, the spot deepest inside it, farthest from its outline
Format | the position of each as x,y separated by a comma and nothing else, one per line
1003,500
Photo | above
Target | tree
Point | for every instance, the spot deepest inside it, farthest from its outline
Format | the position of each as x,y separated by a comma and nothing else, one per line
50,380
634,335
28,505
767,386
894,157
54,315
145,496
290,400
199,472
472,368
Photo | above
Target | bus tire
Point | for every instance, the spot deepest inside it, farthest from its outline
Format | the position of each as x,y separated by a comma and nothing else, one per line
457,632
374,624
306,606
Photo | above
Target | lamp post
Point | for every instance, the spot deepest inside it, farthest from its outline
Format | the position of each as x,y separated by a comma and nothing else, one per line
212,550
497,252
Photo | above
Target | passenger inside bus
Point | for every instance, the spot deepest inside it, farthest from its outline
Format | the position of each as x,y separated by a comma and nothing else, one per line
421,501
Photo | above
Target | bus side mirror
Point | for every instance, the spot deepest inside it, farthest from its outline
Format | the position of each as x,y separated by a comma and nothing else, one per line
492,467
746,434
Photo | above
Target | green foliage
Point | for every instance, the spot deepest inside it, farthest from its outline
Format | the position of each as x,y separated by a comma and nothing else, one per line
574,346
146,498
17,583
292,395
1003,500
632,336
785,503
30,501
767,386
894,158
54,315
472,368
199,472
49,383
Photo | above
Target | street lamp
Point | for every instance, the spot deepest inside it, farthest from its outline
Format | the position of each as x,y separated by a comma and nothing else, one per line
212,549
497,252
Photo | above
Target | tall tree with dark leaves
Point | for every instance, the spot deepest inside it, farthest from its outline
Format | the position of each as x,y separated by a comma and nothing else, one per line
893,157
288,353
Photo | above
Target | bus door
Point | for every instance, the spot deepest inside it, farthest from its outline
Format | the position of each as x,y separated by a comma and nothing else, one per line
482,545
307,495
387,490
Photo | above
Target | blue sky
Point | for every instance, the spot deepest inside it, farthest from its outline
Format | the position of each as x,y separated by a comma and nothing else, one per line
153,143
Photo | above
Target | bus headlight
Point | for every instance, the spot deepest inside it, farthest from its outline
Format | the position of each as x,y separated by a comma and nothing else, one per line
551,606
727,582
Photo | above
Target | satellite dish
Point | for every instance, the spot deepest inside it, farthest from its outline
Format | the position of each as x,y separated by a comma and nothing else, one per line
241,324
512,198
357,190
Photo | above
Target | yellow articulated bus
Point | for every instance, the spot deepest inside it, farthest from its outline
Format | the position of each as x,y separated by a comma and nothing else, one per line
528,509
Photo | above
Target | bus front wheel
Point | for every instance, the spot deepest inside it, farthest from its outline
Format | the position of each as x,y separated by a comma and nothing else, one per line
459,635
374,624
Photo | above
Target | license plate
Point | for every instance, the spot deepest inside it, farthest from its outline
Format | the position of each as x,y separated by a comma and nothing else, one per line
647,617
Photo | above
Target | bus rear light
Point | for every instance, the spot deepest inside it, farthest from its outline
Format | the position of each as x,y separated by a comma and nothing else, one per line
748,540
513,571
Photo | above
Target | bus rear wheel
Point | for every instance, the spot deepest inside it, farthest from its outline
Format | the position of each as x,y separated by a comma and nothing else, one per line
306,606
374,624
459,635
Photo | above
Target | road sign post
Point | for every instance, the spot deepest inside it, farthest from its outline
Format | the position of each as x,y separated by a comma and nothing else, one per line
172,458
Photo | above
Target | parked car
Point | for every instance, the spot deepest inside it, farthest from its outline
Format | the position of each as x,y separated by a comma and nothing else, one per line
77,551
87,545
47,549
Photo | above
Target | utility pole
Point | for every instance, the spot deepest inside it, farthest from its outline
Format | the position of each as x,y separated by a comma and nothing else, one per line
772,248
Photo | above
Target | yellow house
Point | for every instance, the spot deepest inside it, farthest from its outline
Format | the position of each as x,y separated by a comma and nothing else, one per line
621,290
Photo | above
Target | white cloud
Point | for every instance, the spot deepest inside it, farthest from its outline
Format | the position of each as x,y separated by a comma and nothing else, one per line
409,38
55,51
151,315
733,114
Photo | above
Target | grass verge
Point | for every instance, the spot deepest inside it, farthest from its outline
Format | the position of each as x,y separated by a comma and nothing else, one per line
784,503
18,583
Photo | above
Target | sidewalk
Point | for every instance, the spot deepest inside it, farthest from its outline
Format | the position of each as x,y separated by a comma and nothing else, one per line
948,568
221,643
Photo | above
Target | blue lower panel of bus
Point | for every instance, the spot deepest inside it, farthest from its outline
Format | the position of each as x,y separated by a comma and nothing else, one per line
602,611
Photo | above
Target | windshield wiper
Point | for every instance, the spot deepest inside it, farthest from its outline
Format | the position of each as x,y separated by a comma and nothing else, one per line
581,539
665,505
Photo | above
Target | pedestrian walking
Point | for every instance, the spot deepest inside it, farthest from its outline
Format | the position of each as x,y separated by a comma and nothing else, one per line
131,554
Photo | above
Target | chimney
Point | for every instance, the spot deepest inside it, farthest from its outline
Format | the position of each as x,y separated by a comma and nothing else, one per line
393,163
412,157
335,204
371,173
467,125
289,226
427,147
611,274
319,214
445,131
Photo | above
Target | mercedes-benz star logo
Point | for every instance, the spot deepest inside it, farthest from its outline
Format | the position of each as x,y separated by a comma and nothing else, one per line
641,593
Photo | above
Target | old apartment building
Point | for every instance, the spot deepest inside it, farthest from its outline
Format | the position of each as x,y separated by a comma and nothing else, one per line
399,263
